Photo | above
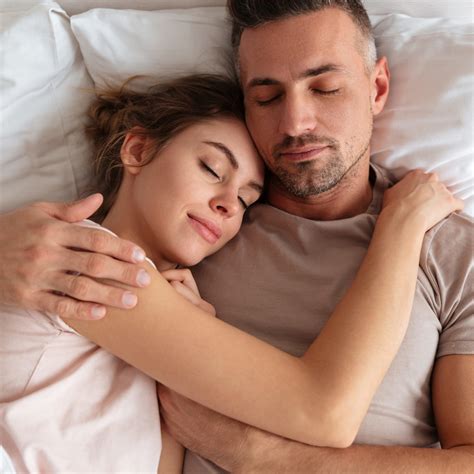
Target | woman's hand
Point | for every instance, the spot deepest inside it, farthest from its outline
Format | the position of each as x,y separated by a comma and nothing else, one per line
46,262
422,197
182,281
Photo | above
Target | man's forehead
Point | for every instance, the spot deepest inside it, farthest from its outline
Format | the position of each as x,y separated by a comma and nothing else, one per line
297,44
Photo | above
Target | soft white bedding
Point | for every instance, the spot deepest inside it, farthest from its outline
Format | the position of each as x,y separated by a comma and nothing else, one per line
462,9
48,71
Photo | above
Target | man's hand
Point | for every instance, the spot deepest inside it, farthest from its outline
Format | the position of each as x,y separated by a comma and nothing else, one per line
46,262
213,436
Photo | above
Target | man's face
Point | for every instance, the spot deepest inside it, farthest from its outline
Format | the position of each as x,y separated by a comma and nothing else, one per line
310,98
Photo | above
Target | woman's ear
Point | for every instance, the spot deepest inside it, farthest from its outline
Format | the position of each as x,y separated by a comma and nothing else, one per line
134,150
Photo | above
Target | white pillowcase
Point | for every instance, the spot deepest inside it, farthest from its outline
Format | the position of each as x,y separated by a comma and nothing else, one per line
45,93
118,44
44,98
428,120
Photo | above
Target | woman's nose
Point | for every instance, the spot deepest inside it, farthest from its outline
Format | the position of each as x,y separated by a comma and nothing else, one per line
227,204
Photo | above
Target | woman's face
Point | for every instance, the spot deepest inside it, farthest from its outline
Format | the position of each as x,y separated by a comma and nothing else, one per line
189,200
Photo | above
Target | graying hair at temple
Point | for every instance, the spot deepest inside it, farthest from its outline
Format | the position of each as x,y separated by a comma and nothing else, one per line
253,13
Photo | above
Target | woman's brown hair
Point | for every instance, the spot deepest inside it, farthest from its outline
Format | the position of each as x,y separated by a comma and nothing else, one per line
160,113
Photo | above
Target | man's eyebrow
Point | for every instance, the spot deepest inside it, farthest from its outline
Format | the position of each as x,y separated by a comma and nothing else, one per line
233,162
317,71
311,72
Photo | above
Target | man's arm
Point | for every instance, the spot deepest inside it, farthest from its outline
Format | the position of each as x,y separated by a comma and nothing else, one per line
216,437
46,261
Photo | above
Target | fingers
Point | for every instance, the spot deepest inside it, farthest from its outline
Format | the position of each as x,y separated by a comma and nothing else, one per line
434,202
452,203
75,211
191,296
458,204
69,308
187,293
98,241
183,275
418,176
103,267
207,307
84,289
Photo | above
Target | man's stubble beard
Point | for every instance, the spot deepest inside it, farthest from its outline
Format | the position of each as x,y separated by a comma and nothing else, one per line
303,180
306,179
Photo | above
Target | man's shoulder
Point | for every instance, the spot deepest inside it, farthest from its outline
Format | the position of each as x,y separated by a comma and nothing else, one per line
457,224
449,243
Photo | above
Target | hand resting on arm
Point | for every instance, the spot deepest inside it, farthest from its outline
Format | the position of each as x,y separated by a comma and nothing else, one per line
319,398
36,252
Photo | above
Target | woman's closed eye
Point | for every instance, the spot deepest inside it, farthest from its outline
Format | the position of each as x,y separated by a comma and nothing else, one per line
243,203
209,170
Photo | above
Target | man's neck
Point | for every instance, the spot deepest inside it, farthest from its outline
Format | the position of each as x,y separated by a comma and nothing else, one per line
352,196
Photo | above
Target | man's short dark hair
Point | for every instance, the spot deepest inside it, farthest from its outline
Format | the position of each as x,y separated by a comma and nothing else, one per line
253,13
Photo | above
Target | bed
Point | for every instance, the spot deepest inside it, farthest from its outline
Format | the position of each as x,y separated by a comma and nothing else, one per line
53,55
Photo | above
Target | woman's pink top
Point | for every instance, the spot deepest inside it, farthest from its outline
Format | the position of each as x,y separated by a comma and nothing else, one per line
66,405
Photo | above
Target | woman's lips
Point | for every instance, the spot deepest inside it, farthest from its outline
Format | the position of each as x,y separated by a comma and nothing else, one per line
303,154
207,229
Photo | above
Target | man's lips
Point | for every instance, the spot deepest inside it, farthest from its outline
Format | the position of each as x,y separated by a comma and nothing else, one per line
207,229
303,154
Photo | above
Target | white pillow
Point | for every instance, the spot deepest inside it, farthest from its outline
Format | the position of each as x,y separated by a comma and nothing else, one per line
461,9
118,44
427,123
428,120
44,96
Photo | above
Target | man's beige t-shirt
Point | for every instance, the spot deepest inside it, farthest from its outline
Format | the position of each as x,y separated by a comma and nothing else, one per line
282,276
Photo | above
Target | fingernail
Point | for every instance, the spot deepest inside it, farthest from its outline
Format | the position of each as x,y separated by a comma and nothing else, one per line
129,299
138,255
98,312
143,278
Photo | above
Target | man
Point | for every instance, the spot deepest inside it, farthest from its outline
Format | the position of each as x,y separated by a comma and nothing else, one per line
312,85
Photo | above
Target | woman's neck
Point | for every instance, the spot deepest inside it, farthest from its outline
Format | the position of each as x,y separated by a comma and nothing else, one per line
123,223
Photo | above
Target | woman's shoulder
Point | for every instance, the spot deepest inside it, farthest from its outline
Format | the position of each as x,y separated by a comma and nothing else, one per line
95,225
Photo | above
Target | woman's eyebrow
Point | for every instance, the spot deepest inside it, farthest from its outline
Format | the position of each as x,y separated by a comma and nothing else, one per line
233,162
227,153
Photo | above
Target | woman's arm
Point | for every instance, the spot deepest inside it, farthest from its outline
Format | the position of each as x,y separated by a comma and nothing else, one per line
320,398
172,455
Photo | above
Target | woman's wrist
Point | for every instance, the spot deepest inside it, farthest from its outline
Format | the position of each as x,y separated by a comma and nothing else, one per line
398,234
403,216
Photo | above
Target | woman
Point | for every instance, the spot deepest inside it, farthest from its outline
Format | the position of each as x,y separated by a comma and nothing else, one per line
177,169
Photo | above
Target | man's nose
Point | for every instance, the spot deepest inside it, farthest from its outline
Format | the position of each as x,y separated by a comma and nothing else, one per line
225,203
297,116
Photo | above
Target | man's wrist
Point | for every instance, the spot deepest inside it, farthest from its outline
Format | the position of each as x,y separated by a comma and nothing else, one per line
255,449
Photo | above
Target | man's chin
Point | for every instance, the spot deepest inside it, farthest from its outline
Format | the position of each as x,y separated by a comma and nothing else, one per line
309,187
